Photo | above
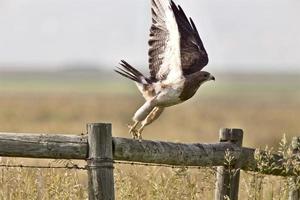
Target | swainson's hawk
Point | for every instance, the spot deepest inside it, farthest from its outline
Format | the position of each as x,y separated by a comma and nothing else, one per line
176,58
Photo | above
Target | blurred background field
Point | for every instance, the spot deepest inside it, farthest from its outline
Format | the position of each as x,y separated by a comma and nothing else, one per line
265,106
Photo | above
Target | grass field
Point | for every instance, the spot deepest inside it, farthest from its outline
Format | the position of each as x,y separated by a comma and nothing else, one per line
265,106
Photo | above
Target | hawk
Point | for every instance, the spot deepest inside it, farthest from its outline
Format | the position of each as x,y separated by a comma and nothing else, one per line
176,59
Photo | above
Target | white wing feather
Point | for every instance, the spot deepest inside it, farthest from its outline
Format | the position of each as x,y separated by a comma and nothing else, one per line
171,65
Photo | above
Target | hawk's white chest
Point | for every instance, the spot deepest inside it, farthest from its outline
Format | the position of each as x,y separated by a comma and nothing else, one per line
168,93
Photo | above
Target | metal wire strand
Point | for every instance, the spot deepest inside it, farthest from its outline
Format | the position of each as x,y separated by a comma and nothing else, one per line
85,167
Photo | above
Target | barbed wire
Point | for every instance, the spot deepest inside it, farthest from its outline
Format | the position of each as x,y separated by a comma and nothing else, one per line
159,165
85,167
43,166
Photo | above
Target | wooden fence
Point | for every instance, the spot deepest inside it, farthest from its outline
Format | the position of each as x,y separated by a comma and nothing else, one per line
100,150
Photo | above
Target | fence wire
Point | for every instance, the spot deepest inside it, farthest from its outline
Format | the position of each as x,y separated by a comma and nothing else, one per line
71,165
42,166
159,165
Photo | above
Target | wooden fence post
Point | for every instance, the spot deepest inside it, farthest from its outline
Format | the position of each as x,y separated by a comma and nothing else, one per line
100,162
294,194
227,183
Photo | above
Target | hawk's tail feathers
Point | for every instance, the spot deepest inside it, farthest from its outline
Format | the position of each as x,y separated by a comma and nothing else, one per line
130,72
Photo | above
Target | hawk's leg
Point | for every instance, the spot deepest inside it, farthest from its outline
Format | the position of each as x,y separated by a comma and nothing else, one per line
153,115
140,115
132,130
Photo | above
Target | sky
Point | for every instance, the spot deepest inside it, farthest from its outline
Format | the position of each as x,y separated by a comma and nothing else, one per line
239,35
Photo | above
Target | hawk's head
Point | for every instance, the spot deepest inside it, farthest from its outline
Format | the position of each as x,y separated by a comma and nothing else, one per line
205,76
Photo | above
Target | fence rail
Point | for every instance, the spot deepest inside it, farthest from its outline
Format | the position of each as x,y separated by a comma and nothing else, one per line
100,149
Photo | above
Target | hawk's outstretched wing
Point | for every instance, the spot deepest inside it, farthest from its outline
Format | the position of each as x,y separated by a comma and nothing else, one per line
164,51
193,53
175,45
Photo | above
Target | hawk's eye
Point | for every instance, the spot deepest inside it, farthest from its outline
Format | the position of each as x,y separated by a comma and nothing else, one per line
205,75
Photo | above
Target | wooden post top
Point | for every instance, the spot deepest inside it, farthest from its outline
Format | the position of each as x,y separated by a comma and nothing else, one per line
99,141
234,135
98,125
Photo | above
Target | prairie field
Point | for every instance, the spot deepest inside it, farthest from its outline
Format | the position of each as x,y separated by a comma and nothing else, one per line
264,106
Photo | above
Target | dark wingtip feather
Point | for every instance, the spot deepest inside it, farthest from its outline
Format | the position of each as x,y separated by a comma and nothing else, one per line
193,24
125,75
196,31
182,13
130,72
130,68
173,4
123,61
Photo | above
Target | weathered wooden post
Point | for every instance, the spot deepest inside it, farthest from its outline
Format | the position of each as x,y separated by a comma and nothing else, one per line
227,183
100,162
294,194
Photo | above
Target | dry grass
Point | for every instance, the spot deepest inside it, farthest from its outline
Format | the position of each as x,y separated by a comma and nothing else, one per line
26,183
158,183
